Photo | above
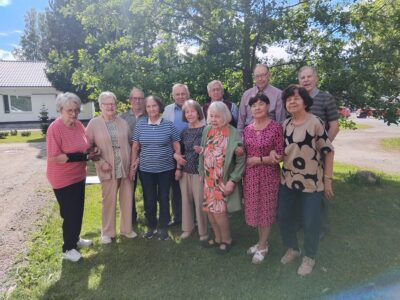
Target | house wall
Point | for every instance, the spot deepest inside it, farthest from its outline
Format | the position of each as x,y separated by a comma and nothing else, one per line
39,96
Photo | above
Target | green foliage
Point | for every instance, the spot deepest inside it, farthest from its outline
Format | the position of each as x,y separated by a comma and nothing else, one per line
25,133
3,134
391,144
36,136
13,132
44,119
345,123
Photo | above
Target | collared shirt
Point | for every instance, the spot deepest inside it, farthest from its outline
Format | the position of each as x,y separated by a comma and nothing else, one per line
173,113
131,119
276,109
324,106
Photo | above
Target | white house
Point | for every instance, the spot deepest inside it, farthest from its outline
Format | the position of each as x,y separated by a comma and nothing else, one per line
24,88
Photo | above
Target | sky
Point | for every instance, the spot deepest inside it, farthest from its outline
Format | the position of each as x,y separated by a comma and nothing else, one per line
12,22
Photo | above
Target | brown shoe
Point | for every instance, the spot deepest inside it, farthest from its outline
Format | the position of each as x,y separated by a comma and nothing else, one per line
289,256
306,266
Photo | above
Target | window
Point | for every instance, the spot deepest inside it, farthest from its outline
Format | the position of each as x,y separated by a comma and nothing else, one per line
17,104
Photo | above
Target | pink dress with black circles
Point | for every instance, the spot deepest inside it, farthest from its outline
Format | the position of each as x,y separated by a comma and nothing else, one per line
261,183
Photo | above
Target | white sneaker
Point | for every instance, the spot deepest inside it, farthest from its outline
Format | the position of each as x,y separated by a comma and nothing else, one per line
306,267
82,243
71,255
105,239
252,249
259,256
131,235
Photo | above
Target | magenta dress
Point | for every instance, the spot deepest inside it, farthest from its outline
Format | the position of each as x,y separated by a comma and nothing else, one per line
261,183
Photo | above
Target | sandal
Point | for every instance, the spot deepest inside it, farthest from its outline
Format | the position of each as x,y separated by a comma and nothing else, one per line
224,248
252,249
209,243
259,256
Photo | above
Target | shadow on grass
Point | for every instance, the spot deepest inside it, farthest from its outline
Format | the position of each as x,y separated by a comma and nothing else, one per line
359,258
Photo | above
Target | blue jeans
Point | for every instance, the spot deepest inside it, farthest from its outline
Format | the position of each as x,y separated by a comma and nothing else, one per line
311,218
156,189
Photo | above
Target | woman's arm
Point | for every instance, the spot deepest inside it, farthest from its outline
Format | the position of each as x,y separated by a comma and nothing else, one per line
134,160
328,173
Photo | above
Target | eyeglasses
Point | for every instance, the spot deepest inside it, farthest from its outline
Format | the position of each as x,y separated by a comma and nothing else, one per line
137,98
261,75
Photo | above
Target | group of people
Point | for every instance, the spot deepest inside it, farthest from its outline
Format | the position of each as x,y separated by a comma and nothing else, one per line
214,158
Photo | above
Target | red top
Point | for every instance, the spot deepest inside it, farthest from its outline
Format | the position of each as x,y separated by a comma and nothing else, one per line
63,139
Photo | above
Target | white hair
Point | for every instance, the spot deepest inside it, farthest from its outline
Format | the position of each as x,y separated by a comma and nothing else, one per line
214,82
219,108
66,98
107,94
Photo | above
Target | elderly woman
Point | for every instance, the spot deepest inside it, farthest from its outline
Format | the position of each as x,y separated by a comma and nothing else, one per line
306,176
222,171
263,141
157,140
188,171
67,148
215,91
111,134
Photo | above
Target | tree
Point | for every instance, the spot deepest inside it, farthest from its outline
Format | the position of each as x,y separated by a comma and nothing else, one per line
31,38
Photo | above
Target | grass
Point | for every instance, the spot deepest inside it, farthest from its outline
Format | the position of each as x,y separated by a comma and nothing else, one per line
36,136
363,126
361,249
390,144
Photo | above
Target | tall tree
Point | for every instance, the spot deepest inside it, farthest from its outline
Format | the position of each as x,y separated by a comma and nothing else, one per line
31,38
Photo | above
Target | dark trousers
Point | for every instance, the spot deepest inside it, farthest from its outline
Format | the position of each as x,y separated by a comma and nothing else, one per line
176,200
311,218
71,200
156,189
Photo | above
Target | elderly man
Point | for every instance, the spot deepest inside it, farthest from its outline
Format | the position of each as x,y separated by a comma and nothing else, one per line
276,109
173,113
136,99
215,91
324,105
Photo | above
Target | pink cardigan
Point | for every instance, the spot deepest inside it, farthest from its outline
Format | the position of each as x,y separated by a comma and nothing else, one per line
97,134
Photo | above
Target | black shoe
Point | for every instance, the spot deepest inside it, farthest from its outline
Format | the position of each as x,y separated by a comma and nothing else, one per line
149,234
163,235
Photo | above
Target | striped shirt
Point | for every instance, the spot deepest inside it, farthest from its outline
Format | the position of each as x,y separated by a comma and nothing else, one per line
155,140
324,107
62,139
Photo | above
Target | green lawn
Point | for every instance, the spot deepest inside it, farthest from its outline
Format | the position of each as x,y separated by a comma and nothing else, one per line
36,136
391,143
361,250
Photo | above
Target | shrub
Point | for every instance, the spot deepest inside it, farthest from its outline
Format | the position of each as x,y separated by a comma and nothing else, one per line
345,123
25,133
3,135
44,119
14,132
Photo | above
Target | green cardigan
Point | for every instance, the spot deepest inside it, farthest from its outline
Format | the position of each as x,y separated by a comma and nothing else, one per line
233,166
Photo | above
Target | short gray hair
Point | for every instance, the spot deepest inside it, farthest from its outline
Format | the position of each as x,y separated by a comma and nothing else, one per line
107,94
314,71
177,85
220,108
66,98
264,66
135,89
214,82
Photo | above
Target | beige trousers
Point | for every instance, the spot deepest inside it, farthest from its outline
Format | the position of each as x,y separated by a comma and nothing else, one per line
109,192
192,193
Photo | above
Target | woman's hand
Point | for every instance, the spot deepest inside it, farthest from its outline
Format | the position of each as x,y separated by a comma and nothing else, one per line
239,151
253,161
133,169
328,188
198,149
178,174
180,159
228,187
94,154
274,157
105,167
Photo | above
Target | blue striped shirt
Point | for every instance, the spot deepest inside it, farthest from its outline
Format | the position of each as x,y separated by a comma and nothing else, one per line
156,150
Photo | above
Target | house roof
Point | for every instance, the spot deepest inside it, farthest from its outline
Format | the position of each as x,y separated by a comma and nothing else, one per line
23,74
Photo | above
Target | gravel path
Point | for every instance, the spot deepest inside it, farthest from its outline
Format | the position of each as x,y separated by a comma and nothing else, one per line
23,192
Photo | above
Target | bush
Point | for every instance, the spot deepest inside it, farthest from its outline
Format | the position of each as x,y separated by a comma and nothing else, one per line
13,132
44,119
345,123
25,133
3,135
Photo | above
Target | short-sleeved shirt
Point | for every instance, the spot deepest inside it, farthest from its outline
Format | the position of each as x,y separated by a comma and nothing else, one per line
63,139
305,145
324,106
156,145
191,137
131,119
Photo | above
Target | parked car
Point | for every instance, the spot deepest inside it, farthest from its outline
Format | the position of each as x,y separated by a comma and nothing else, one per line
344,111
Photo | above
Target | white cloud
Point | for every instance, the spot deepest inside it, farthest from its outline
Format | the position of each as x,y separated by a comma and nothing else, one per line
11,32
274,53
6,55
5,2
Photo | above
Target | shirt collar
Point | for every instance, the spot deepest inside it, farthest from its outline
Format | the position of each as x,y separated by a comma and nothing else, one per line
314,92
158,122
